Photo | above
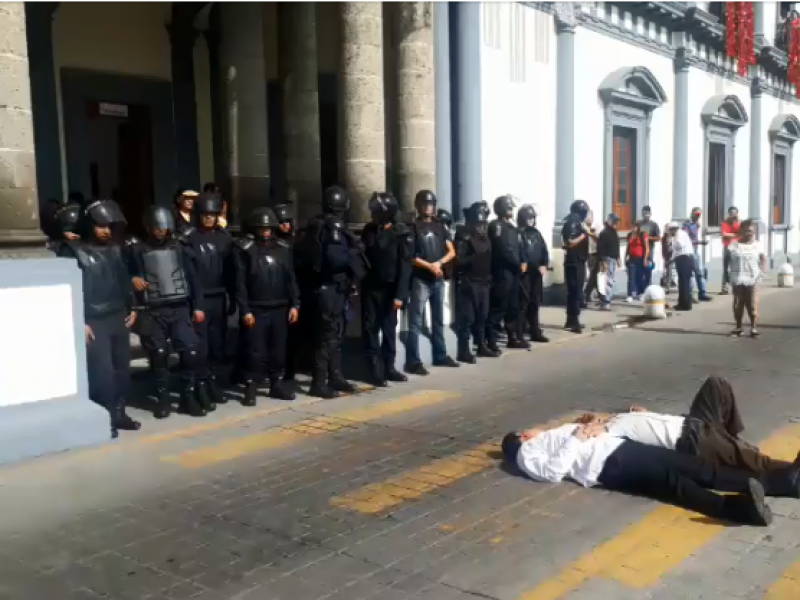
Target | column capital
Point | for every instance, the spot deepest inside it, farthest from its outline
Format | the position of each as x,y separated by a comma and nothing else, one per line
567,16
684,58
757,87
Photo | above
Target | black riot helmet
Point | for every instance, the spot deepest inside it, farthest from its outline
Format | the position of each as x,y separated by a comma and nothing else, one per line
105,213
476,219
68,217
283,213
208,203
159,217
261,222
444,217
526,216
335,200
423,200
383,207
580,208
504,206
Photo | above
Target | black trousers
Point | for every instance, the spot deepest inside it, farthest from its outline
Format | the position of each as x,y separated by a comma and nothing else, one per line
685,266
329,327
158,326
379,322
503,306
212,331
532,289
299,340
574,276
472,306
108,359
672,477
266,343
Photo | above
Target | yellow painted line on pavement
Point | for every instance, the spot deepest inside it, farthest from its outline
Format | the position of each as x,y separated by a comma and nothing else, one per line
787,587
415,483
645,551
313,426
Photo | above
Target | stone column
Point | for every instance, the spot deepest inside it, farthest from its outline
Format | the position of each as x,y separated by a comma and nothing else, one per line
212,35
245,94
467,104
46,132
300,75
415,137
566,21
680,149
182,36
442,74
757,135
20,235
363,151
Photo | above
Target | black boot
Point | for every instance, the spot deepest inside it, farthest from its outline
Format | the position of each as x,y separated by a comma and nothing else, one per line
335,379
319,386
465,354
125,423
537,335
515,343
278,391
573,325
163,407
205,397
489,351
250,392
376,376
393,374
749,508
216,396
189,403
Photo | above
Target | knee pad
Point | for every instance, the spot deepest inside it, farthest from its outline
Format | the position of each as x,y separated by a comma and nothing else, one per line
160,358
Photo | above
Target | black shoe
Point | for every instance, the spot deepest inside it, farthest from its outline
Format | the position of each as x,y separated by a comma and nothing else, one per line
782,483
539,337
163,407
250,394
416,369
517,344
289,376
189,403
447,361
394,375
322,391
125,423
750,507
205,397
466,357
340,384
376,376
493,347
277,391
705,298
485,351
216,397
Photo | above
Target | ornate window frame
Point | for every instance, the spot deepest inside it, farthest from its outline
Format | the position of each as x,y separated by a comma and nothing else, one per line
722,117
629,96
783,132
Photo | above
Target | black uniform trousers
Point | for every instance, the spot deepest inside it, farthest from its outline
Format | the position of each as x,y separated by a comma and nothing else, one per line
531,291
379,322
685,266
329,326
299,339
162,324
672,477
108,361
503,305
266,343
472,304
212,331
574,276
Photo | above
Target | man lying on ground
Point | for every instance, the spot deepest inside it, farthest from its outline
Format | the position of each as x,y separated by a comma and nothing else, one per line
709,431
591,456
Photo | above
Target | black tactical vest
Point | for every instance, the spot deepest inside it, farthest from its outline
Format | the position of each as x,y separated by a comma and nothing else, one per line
210,264
163,269
104,289
266,281
382,251
532,246
429,241
480,268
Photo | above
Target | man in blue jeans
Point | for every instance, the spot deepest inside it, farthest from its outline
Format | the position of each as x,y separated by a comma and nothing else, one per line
433,248
693,228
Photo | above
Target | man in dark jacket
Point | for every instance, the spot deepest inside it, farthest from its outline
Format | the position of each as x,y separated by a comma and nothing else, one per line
537,258
575,242
608,259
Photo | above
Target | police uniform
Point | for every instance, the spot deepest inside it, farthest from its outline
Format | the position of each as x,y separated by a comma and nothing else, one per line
473,277
575,262
536,255
266,290
387,247
213,249
506,272
107,303
300,331
430,240
332,261
172,296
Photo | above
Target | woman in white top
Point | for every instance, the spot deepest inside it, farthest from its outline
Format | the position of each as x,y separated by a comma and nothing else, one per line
748,264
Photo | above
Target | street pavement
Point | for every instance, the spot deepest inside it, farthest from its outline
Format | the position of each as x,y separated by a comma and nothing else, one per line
401,494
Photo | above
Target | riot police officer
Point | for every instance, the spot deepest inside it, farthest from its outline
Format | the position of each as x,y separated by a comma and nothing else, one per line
385,288
67,219
432,250
507,268
268,301
303,328
213,248
473,276
164,274
284,233
107,307
537,257
445,218
331,258
576,253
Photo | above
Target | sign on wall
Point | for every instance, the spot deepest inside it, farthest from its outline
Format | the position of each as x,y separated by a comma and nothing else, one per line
107,109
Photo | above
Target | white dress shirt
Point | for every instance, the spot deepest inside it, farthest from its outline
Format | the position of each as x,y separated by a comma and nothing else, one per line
556,454
682,244
653,429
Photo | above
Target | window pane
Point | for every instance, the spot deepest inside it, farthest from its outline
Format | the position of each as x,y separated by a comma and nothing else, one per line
715,194
624,176
779,190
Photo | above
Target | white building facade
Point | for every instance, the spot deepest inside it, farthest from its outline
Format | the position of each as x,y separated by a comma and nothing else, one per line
633,104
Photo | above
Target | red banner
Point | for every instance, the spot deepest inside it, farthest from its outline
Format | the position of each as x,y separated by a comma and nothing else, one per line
731,29
793,63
